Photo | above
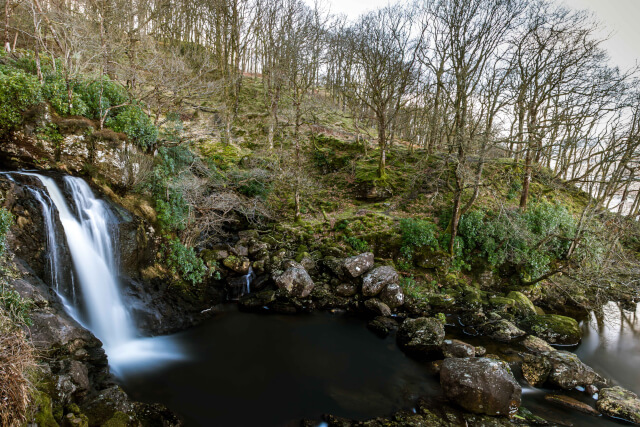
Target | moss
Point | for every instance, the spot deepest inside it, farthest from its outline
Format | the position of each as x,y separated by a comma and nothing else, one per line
119,419
44,415
554,328
523,306
441,300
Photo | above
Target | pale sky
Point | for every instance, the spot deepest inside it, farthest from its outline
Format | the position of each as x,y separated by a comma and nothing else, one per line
620,18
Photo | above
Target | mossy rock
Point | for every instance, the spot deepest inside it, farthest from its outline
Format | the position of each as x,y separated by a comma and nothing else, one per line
502,303
44,415
554,328
441,300
523,305
119,419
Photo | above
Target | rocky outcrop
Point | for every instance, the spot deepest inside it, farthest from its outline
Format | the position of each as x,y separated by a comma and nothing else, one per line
557,368
421,337
619,403
554,329
481,385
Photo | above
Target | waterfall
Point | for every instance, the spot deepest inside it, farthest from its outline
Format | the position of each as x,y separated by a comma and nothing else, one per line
91,248
88,229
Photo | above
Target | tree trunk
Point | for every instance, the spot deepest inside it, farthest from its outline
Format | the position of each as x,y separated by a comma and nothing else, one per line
526,181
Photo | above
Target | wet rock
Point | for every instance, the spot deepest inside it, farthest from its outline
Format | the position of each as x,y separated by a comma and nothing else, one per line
480,351
481,385
536,345
377,279
422,336
377,307
571,403
457,348
382,326
295,281
258,300
619,403
558,368
356,266
346,289
554,329
392,295
501,330
523,305
238,264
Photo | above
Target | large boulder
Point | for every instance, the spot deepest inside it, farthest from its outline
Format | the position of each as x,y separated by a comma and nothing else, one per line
392,295
356,266
377,279
481,385
554,328
295,281
422,336
617,402
558,368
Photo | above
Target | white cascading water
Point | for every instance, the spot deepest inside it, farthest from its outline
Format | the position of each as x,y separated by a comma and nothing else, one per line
91,247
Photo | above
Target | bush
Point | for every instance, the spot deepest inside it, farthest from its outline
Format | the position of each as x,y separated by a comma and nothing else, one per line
18,92
100,94
252,183
358,245
184,262
170,204
134,122
55,92
531,242
417,234
6,220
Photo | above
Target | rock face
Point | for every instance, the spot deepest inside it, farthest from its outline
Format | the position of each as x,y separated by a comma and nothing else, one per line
356,266
110,153
481,385
377,279
619,403
295,281
554,329
557,368
422,336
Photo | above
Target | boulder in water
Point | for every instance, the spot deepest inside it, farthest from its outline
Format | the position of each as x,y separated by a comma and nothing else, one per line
356,266
501,330
457,348
382,326
619,403
377,307
295,281
377,279
523,305
554,328
559,368
481,385
422,336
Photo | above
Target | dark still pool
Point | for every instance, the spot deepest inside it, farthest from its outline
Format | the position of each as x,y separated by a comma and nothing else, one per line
272,370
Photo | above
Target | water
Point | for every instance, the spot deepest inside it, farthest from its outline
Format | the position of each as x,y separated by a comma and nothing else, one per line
611,345
89,233
272,370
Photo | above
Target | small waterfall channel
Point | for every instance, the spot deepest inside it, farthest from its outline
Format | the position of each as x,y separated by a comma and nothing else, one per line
88,227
